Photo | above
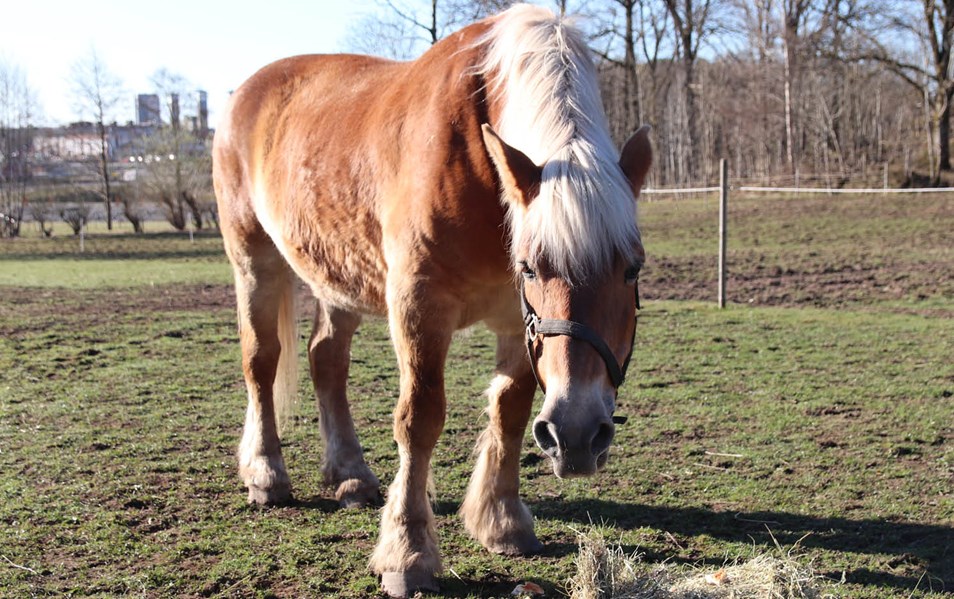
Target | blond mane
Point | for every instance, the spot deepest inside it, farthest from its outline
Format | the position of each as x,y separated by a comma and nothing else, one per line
540,68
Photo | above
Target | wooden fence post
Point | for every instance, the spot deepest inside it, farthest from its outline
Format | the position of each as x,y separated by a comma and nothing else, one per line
723,201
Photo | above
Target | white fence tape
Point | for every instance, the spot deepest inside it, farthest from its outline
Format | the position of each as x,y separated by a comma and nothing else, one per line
678,191
814,190
822,190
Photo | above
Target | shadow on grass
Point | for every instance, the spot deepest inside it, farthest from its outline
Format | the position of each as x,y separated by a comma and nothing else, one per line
452,587
927,547
317,503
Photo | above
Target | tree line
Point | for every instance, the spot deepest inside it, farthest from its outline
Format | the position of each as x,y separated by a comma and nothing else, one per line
786,90
172,175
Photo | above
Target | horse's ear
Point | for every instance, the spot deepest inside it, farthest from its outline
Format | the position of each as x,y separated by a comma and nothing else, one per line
637,157
519,176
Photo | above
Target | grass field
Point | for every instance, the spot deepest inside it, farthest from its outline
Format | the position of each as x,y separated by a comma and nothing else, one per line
816,412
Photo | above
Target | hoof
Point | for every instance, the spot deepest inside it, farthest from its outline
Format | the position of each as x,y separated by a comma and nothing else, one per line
407,584
274,496
523,544
356,493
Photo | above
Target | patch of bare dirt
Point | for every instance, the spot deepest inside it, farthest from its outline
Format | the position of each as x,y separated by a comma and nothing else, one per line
32,300
811,251
26,309
754,283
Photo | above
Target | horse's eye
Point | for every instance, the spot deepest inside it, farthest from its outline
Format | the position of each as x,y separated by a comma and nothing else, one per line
632,274
527,272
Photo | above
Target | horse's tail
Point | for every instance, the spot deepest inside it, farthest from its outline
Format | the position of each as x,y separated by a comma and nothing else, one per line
285,387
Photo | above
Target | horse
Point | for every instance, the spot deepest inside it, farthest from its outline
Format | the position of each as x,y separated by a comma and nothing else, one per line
477,183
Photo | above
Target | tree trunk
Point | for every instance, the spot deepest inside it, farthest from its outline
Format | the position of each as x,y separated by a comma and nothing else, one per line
194,208
692,125
789,103
929,130
104,171
633,109
688,29
944,135
792,17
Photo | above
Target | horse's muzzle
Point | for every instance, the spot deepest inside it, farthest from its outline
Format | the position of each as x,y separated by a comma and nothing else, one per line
574,450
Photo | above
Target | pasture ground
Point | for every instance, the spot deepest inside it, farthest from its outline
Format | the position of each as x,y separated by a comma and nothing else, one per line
816,411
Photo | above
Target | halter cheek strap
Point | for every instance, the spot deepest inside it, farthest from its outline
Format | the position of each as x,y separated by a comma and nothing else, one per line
541,327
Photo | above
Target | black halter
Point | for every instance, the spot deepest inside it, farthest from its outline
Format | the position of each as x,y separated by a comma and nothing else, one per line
537,327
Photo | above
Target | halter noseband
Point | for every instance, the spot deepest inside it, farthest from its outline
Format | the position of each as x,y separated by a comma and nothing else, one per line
541,327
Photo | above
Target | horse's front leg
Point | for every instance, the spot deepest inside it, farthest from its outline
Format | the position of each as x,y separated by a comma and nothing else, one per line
492,510
407,556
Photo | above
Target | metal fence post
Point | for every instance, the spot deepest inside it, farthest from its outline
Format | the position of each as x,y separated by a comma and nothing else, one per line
723,201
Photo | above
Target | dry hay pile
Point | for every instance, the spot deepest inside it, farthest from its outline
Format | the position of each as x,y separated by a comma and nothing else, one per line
608,573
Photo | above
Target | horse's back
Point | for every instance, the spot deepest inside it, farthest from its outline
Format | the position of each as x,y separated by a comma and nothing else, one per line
284,92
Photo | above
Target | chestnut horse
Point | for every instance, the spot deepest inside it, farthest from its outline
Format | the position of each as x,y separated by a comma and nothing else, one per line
388,188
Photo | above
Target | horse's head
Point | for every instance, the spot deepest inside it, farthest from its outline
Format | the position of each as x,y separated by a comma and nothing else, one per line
579,294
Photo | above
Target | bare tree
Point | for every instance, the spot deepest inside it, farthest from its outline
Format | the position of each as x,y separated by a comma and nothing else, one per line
408,14
693,21
403,29
130,196
77,215
381,36
96,93
17,110
177,165
928,25
179,162
458,13
43,213
653,35
622,29
793,17
757,23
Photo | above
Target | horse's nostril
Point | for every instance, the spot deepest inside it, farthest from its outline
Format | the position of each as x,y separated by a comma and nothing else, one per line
602,439
545,436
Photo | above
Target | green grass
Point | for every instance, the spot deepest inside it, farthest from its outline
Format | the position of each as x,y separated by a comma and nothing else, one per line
109,260
97,274
825,429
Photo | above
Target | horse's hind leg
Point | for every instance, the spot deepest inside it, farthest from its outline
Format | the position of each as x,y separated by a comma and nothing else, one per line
329,355
492,510
265,296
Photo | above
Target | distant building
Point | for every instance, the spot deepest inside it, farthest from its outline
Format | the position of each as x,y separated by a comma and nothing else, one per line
147,109
56,154
79,141
129,141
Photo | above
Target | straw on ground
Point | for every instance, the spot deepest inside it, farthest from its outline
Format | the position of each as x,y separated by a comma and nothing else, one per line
608,572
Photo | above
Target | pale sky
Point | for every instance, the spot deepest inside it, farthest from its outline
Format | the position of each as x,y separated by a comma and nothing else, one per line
214,44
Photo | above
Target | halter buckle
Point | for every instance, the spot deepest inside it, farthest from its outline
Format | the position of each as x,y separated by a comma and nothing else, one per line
533,322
